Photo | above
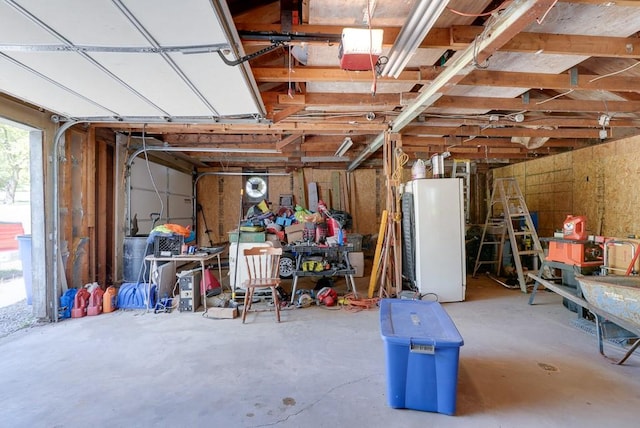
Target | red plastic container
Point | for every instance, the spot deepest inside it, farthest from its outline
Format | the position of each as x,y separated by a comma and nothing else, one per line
80,303
95,302
575,227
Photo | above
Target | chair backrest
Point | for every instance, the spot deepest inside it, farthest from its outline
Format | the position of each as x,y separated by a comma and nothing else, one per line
263,262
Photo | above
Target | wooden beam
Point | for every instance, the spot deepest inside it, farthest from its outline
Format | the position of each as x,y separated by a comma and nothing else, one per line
207,139
529,120
329,101
415,142
562,44
285,113
552,81
625,3
285,127
480,131
516,104
460,37
477,78
288,140
328,74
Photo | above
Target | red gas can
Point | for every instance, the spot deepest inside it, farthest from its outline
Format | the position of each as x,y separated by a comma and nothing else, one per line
95,302
80,303
574,228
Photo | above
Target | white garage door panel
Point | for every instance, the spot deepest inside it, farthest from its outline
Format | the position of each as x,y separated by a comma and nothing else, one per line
173,95
78,74
182,23
140,177
174,198
221,84
180,209
180,182
94,22
15,28
30,87
113,71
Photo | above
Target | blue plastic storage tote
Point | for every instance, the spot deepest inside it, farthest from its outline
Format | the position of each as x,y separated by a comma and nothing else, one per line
422,346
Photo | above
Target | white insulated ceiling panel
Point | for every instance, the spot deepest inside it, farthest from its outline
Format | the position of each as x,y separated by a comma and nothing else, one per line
99,59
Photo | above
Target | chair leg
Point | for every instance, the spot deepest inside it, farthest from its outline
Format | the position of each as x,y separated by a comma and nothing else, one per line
250,293
276,302
244,306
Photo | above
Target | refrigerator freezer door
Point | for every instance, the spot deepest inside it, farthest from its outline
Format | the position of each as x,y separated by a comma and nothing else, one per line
439,238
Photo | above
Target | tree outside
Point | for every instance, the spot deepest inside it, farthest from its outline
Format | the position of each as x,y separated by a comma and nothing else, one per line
14,162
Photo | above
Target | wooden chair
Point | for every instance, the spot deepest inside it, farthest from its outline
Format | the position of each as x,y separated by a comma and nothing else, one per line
263,268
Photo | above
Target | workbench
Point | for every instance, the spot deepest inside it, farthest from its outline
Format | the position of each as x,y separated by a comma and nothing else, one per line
338,253
201,258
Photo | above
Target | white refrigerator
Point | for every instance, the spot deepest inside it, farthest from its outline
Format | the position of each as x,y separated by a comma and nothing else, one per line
434,234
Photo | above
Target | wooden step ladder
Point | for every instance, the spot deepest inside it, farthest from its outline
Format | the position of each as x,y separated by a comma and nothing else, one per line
462,169
506,208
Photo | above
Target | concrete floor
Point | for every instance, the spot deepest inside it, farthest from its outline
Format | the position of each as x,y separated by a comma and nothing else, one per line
520,366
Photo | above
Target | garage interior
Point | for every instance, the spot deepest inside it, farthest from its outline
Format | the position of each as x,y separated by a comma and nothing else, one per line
194,112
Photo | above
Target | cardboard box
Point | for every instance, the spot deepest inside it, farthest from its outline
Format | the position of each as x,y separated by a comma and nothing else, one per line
294,237
298,227
294,232
356,259
227,313
619,254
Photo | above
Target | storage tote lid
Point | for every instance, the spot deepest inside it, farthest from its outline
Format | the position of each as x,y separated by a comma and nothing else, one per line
417,321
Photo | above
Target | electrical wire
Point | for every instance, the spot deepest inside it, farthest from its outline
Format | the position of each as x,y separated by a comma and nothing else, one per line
401,159
615,72
554,97
540,20
374,83
352,304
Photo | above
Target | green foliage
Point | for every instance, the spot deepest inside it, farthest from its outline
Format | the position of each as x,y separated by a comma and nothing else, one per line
14,161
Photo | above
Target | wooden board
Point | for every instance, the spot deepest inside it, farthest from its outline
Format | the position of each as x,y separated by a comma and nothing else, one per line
313,196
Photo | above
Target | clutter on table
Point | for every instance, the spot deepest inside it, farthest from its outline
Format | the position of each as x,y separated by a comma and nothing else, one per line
291,225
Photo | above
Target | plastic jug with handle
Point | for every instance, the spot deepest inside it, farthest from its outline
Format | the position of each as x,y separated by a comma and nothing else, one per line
418,170
575,228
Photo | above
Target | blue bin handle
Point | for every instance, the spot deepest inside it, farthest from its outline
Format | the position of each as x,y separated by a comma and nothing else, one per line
422,348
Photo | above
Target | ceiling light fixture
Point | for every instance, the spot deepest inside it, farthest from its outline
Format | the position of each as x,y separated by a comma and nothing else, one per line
346,145
421,20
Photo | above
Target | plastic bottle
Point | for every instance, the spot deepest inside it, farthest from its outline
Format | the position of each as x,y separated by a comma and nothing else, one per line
95,302
109,299
575,228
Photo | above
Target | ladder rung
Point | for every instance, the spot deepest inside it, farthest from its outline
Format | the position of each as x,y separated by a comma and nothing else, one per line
529,252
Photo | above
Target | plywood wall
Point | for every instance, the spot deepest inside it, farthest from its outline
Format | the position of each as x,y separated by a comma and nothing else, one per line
599,182
219,198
